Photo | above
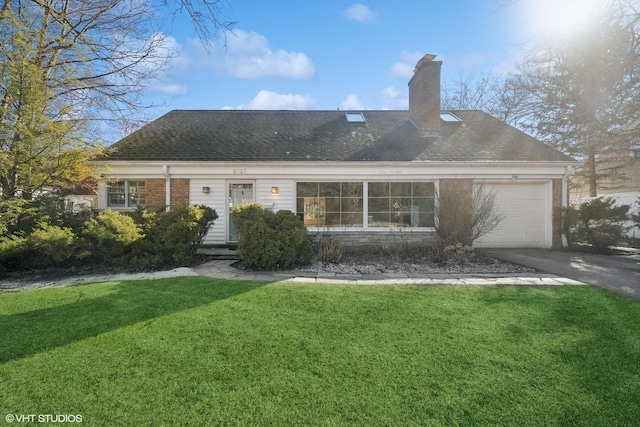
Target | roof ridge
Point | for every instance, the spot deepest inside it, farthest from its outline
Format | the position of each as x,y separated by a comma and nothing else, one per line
286,111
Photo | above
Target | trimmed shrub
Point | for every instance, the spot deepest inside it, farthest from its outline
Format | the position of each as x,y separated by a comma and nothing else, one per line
248,214
258,247
109,235
17,216
172,238
14,252
296,248
29,238
635,217
53,242
270,240
598,223
137,240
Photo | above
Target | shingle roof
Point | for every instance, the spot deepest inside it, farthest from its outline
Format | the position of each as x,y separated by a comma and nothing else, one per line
244,135
481,136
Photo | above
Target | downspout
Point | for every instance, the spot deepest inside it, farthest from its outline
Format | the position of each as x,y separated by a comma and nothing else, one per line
565,200
167,186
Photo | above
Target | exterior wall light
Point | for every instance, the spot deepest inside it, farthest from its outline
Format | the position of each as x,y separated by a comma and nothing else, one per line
205,190
274,190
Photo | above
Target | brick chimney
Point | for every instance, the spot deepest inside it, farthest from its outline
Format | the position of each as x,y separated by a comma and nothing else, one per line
424,96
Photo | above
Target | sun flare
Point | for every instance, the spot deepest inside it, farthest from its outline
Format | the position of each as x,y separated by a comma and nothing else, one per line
560,17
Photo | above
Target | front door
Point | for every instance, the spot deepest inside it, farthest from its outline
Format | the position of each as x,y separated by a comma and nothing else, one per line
240,193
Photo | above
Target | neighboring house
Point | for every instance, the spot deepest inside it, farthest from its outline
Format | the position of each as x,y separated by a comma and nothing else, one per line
77,197
362,175
626,191
80,197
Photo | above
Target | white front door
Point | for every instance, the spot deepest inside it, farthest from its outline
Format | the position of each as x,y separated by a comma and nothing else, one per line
240,193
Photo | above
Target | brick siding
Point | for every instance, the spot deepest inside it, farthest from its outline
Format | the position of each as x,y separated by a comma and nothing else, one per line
179,193
424,96
155,194
397,239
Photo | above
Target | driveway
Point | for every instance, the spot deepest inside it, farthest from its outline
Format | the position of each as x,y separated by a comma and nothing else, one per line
617,273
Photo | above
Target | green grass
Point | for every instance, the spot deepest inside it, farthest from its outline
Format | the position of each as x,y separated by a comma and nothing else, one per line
201,351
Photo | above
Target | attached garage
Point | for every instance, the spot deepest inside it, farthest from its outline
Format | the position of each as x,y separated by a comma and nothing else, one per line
526,208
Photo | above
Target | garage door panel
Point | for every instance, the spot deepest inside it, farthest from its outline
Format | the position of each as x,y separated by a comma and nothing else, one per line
526,219
529,206
534,238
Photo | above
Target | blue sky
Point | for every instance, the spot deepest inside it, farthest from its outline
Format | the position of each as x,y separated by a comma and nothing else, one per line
324,55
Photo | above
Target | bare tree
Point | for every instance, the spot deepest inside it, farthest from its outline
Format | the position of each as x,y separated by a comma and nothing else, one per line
581,94
486,92
465,211
67,67
207,16
468,92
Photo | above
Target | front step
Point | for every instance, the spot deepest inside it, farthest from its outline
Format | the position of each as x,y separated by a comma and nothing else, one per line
220,252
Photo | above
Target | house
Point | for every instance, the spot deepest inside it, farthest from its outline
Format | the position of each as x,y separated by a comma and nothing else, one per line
363,175
626,189
80,196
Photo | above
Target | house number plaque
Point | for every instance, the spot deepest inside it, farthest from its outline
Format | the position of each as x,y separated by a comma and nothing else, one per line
239,171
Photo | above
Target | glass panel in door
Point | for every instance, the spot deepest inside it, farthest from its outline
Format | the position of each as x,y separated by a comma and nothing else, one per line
239,194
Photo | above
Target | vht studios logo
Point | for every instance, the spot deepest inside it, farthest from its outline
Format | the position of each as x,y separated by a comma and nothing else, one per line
43,418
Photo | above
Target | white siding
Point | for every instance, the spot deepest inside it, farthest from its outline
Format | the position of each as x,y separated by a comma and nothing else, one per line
284,200
216,199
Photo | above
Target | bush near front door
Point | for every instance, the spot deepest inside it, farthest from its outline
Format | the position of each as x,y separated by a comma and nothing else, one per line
270,241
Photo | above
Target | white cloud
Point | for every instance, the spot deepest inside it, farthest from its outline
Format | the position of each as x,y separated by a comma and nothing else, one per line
175,49
351,103
172,89
247,55
508,64
361,13
472,61
243,55
167,53
392,99
486,62
269,100
403,69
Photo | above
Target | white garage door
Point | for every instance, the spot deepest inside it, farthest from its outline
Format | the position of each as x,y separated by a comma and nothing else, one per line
527,216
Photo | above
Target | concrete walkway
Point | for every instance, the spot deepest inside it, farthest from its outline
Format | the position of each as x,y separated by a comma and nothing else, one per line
222,269
616,273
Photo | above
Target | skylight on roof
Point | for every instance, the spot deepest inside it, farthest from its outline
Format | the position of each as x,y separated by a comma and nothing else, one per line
448,117
355,117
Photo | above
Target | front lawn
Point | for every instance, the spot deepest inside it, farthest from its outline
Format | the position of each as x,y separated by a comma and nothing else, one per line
202,351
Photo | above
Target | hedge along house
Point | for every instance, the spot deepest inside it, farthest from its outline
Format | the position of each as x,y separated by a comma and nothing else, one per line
362,175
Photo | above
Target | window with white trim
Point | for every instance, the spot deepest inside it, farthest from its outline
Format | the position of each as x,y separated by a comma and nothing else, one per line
125,194
400,204
366,204
330,204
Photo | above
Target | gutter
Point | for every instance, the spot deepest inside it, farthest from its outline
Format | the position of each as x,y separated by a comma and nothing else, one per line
565,199
167,195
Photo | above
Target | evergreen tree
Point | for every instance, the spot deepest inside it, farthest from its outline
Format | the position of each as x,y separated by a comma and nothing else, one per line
582,92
